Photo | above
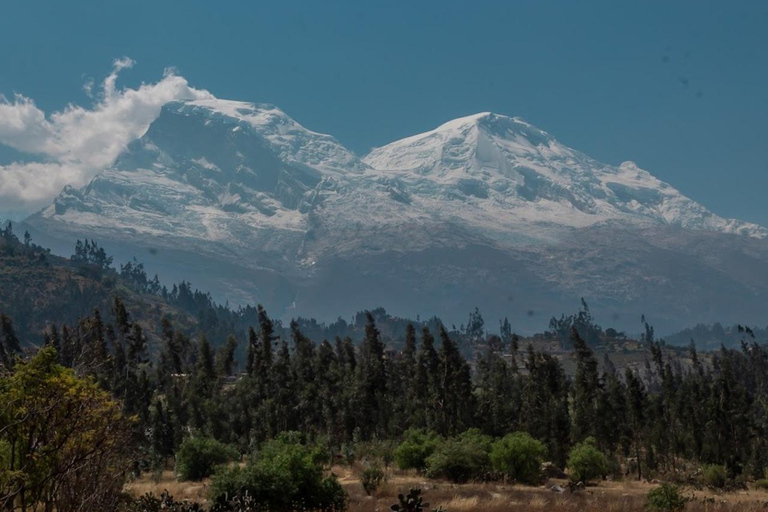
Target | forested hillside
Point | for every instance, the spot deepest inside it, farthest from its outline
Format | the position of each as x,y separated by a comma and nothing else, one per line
175,370
362,401
39,290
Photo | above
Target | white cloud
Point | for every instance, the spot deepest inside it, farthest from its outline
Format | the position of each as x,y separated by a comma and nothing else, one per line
77,142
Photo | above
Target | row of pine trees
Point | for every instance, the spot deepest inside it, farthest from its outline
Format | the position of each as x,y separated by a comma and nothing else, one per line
709,409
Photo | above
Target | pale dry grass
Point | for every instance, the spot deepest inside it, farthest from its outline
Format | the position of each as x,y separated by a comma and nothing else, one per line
166,481
608,496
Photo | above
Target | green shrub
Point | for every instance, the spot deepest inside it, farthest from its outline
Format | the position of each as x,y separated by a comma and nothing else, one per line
416,447
586,462
714,476
475,435
666,498
762,484
371,478
460,459
163,503
377,450
518,456
282,477
198,456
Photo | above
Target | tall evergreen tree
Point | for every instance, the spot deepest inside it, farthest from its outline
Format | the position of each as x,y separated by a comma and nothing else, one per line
586,390
455,399
371,376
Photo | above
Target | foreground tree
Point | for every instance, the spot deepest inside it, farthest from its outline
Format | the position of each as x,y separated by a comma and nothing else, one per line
61,440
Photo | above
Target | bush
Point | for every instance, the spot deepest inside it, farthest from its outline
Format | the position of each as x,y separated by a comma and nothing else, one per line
282,477
475,435
714,476
762,484
461,459
666,498
198,456
586,462
417,446
518,456
377,450
164,503
371,478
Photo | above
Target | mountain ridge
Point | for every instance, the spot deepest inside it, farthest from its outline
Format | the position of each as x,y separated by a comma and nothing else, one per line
263,209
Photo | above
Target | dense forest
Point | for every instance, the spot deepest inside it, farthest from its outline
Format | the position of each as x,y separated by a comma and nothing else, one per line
100,405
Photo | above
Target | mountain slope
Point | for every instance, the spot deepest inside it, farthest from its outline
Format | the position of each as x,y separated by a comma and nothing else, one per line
516,172
485,210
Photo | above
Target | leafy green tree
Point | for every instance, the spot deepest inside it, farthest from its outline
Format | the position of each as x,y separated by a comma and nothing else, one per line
225,358
586,462
197,457
714,476
302,365
9,343
460,459
636,400
416,447
281,477
372,477
586,389
372,399
544,406
496,391
63,439
518,456
454,398
424,412
666,498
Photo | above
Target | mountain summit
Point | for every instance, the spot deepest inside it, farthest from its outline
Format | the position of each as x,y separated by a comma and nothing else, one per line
523,174
485,210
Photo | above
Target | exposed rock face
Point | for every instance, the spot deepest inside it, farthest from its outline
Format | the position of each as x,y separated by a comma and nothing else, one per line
484,211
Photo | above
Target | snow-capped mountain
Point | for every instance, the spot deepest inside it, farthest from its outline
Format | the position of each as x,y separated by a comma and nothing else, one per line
485,210
516,173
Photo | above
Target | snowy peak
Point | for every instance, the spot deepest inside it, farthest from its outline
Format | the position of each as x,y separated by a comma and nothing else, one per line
291,142
257,208
210,169
523,174
467,143
251,164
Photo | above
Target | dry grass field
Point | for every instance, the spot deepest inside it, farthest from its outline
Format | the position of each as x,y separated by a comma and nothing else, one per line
608,496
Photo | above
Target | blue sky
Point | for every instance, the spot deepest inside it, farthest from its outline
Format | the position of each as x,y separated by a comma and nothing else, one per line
677,86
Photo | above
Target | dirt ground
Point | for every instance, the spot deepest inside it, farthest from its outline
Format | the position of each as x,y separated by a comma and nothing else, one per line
607,496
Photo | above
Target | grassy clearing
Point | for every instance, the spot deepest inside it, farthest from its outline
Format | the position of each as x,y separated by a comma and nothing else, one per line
607,496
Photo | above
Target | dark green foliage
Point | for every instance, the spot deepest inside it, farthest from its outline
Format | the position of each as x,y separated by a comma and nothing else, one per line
714,476
372,477
666,498
416,447
586,462
455,403
90,253
518,457
9,343
171,358
586,389
164,503
372,400
545,409
460,459
582,322
283,476
497,392
197,457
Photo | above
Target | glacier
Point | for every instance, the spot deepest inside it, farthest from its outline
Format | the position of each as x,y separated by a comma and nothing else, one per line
486,210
